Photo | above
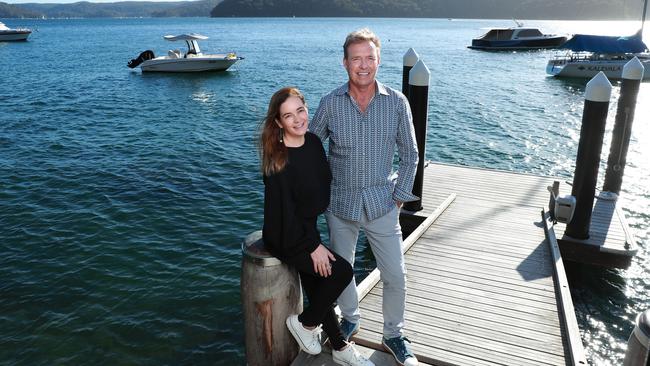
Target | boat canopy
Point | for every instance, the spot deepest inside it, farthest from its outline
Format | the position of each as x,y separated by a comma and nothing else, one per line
186,37
3,26
605,44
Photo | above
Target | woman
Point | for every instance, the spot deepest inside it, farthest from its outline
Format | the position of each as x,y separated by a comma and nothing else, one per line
297,190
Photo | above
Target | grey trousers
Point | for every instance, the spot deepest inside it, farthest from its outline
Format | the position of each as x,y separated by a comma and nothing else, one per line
385,237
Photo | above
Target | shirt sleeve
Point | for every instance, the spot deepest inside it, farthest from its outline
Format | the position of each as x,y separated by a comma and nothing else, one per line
407,151
284,232
318,125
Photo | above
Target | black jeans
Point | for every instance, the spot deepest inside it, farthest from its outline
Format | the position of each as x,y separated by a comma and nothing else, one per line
322,292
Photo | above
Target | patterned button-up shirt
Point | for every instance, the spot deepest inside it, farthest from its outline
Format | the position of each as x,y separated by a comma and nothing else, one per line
362,148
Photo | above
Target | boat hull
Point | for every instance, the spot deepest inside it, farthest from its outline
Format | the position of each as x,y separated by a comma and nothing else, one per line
587,69
17,35
195,64
518,44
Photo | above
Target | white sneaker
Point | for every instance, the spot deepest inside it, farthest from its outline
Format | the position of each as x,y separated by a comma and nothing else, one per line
349,356
308,340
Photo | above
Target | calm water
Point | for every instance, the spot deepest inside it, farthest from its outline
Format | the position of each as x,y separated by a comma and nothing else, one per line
124,197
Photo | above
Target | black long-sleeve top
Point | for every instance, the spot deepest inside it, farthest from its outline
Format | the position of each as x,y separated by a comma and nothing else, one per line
293,199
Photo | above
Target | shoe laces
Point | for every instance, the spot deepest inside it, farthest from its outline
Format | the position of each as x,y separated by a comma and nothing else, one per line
401,346
316,332
355,353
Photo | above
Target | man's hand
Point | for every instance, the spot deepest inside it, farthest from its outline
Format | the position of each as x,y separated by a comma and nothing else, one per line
399,204
321,258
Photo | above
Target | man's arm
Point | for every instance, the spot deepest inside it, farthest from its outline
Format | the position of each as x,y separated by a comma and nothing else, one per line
407,151
318,125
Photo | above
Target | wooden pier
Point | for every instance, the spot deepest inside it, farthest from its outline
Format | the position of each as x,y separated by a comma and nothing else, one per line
486,282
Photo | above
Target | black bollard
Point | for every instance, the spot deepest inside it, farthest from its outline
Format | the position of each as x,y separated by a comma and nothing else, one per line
632,76
418,95
638,345
410,59
594,116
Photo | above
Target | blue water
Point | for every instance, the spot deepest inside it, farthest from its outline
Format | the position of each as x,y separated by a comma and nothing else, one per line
124,197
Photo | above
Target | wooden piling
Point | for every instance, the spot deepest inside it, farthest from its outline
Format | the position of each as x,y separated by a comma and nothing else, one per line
418,96
409,60
594,117
632,76
270,292
638,346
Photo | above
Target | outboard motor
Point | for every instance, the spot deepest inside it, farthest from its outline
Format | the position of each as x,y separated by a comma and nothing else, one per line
144,56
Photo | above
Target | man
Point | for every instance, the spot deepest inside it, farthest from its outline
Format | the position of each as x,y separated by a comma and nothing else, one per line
365,121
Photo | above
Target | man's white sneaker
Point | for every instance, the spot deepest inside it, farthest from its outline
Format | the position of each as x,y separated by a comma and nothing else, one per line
308,340
349,356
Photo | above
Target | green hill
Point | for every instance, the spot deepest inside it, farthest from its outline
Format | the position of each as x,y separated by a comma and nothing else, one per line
122,9
13,11
491,9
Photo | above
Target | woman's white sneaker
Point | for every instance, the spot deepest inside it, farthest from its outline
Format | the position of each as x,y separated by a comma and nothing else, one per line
349,356
308,340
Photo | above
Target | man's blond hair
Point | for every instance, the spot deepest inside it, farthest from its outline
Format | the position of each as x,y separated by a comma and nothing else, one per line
361,35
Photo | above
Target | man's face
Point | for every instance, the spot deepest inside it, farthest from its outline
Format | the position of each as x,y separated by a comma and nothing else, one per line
362,63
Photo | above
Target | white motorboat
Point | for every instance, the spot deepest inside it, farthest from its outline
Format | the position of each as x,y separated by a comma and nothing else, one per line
18,34
191,61
587,55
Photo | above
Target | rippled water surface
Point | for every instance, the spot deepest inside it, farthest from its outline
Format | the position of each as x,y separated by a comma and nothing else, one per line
124,197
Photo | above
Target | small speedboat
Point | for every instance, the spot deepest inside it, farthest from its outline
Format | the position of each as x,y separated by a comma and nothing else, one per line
18,34
191,61
516,38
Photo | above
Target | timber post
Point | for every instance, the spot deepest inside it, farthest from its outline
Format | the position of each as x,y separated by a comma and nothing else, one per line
638,346
418,97
409,60
594,117
270,292
632,76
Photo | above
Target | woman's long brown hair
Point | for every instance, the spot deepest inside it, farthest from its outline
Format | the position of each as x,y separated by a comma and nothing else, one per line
273,152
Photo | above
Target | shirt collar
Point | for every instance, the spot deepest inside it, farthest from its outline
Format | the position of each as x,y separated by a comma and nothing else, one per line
345,88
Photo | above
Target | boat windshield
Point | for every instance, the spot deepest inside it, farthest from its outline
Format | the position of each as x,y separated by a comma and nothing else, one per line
529,33
498,35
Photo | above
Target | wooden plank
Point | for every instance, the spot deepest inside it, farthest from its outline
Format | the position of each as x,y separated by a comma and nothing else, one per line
439,354
427,344
427,288
575,349
419,314
540,322
501,265
452,274
461,282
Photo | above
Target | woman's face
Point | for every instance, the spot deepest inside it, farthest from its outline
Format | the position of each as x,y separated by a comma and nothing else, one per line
293,118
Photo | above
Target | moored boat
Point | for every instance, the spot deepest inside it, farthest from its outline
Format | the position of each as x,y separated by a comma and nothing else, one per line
519,38
587,55
17,34
191,61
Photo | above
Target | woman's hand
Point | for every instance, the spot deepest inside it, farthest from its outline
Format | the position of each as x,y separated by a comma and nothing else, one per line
321,258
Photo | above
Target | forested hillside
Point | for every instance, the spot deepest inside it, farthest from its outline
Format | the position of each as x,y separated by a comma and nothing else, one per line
522,9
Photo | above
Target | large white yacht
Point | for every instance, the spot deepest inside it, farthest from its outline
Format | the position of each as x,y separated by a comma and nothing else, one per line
193,60
587,55
17,34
